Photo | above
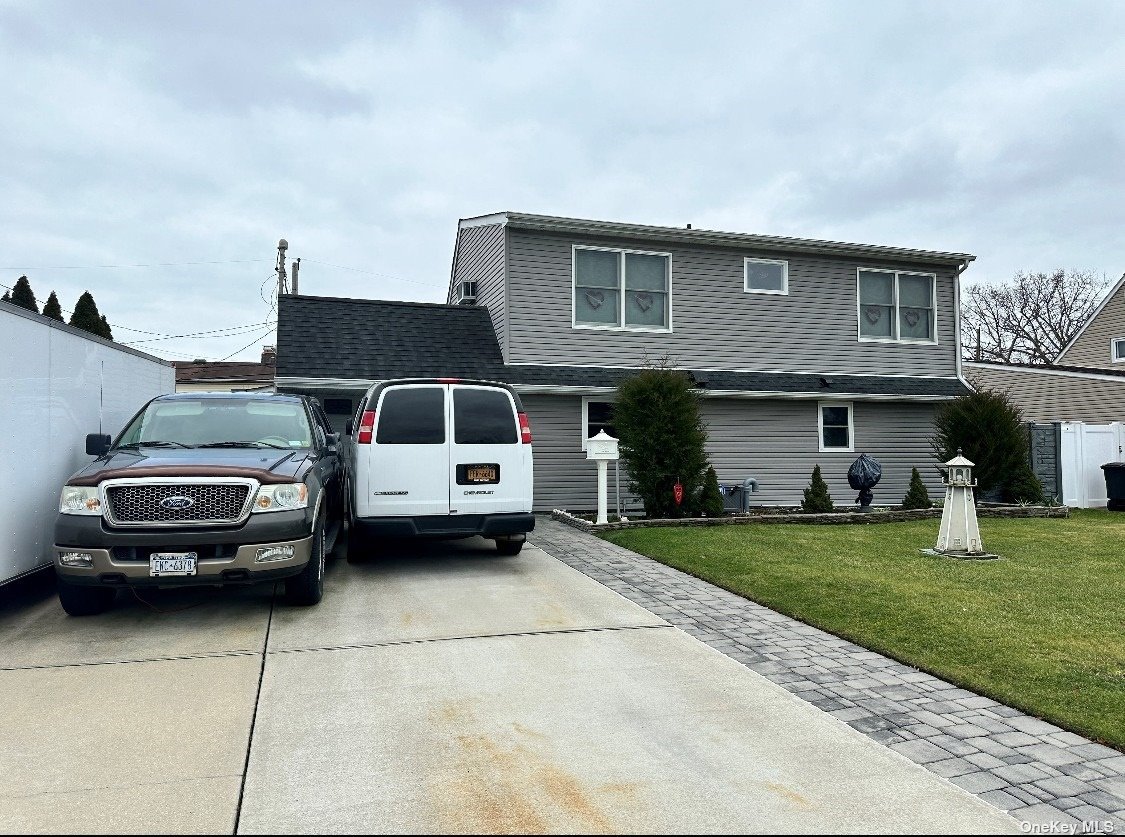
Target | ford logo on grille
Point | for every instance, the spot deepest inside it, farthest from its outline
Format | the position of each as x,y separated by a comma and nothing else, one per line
177,503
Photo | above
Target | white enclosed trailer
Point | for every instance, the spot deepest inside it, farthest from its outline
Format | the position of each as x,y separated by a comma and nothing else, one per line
57,383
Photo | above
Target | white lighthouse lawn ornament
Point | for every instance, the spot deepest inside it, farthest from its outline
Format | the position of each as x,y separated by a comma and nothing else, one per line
959,535
602,449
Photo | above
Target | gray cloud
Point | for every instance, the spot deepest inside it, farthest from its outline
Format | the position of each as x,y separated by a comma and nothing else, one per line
181,132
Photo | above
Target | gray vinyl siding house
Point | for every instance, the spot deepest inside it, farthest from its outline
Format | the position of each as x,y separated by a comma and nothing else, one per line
1100,343
806,352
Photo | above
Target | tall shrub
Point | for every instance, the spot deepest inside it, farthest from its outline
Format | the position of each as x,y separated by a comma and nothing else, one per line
817,499
52,308
917,497
86,316
711,498
656,415
988,429
23,296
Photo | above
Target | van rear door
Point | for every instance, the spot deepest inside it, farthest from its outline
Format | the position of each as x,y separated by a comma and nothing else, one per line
409,465
489,466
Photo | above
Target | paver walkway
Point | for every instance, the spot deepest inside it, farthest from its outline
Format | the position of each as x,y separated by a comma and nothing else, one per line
1034,770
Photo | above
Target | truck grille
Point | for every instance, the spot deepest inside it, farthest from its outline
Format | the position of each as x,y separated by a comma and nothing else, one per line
144,504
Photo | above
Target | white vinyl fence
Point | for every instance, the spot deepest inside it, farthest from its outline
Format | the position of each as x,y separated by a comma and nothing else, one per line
1084,448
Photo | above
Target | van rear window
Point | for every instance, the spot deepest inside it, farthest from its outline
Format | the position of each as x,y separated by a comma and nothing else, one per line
483,417
412,416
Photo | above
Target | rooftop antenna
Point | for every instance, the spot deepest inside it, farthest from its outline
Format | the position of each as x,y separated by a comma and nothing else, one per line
296,270
282,284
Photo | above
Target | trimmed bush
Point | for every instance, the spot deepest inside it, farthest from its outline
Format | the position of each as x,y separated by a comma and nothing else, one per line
656,416
988,429
711,498
52,308
23,296
817,499
917,497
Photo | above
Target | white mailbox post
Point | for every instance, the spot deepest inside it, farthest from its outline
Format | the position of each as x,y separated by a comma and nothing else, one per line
602,449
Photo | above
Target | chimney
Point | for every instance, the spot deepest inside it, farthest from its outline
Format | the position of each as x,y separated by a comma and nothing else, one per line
269,355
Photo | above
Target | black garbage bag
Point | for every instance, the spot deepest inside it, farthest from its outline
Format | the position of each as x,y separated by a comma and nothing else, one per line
864,475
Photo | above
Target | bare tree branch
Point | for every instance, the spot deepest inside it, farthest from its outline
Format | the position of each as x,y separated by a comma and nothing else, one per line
1030,318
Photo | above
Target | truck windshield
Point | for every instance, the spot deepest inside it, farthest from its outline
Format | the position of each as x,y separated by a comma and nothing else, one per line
215,422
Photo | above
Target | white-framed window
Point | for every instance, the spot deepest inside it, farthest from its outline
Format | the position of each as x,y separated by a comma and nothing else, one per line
896,306
597,415
834,422
765,276
1117,349
621,289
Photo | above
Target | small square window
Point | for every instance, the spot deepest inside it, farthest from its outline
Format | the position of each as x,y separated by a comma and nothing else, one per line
766,276
835,427
1119,349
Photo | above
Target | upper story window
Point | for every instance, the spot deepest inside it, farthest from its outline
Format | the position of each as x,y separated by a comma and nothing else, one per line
766,276
898,306
621,289
1118,350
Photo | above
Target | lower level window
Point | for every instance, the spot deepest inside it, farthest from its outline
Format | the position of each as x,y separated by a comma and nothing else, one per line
835,427
596,416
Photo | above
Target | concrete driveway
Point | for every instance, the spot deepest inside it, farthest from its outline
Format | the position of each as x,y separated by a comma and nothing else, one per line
438,689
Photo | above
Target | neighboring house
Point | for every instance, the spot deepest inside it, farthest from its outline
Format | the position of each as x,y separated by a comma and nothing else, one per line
807,352
1055,393
226,376
1100,343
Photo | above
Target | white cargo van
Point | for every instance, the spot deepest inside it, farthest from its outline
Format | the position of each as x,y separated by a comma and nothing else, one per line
439,457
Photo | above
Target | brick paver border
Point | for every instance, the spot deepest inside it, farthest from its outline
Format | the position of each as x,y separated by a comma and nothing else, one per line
1037,772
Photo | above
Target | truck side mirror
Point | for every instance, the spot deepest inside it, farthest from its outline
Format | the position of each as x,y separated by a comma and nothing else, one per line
332,440
97,444
348,428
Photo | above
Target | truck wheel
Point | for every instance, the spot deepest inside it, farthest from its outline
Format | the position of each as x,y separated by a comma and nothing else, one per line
307,587
509,546
83,600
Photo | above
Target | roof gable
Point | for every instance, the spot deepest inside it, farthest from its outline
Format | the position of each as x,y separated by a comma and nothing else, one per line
1085,348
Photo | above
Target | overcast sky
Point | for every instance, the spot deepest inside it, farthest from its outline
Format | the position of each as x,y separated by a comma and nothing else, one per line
189,137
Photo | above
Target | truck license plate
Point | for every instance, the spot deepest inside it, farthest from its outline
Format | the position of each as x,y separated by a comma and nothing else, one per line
171,563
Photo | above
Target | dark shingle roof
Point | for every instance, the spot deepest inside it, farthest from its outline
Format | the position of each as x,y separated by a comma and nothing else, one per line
375,340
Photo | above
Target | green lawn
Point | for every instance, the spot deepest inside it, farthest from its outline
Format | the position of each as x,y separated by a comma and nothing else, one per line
1042,630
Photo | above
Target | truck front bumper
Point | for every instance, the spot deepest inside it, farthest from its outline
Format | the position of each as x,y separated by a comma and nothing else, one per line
224,556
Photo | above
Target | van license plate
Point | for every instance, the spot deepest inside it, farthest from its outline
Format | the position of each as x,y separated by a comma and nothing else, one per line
171,563
486,474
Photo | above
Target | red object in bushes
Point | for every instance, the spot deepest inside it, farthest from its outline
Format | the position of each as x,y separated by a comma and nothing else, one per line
678,492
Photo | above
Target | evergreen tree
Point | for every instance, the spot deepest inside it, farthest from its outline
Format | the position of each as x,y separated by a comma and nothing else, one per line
916,496
106,332
86,316
7,297
1024,487
817,499
23,296
656,415
52,308
711,498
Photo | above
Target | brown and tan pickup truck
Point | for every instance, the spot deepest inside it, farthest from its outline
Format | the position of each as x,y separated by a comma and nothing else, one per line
203,489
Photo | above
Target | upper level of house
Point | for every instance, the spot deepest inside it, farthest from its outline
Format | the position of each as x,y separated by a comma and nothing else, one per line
1100,343
563,291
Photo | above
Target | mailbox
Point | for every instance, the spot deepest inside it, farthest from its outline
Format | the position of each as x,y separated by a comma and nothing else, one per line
602,447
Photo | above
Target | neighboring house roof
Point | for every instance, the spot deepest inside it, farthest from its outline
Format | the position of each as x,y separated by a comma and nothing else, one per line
1055,393
1092,318
353,342
687,235
226,371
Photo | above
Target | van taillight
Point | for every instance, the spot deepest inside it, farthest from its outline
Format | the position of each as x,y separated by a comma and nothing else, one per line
525,429
366,427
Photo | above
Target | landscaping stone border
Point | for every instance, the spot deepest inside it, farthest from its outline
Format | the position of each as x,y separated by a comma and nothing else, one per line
789,516
1052,780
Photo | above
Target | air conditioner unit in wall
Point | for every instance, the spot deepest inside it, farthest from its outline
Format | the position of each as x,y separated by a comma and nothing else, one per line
467,293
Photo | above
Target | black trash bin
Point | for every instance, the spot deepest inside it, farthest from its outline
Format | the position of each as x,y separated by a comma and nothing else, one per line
1115,485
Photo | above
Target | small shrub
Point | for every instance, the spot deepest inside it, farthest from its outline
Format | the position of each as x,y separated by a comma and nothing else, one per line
711,498
817,499
917,497
1024,488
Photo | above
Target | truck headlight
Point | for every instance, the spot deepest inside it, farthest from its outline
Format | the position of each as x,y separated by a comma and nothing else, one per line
80,500
282,497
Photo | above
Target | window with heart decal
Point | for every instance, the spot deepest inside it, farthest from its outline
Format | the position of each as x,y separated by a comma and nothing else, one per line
643,300
595,299
873,313
912,317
